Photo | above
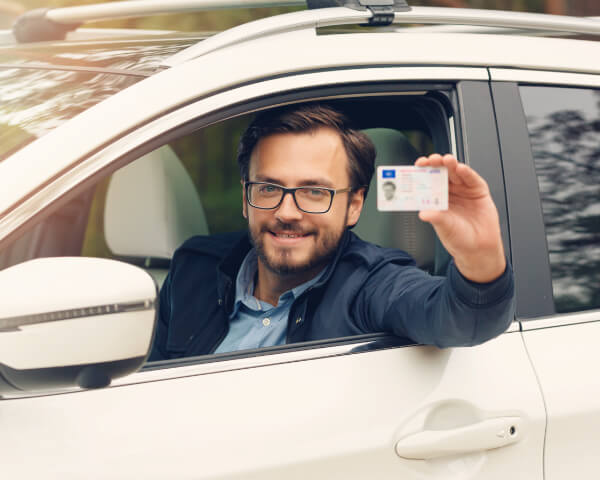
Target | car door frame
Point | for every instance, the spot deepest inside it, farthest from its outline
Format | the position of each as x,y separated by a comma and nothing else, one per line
562,347
473,135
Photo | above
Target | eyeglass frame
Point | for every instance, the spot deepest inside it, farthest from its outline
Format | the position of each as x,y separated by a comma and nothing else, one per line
292,192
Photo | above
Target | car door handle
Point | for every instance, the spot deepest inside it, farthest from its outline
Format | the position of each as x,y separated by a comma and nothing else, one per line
484,435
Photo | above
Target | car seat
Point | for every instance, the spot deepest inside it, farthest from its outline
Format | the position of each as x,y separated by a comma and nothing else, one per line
151,208
401,230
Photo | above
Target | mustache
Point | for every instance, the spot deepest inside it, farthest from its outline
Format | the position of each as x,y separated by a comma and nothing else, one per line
288,227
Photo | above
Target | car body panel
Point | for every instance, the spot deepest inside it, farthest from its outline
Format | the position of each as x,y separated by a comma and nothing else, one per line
566,356
333,409
343,422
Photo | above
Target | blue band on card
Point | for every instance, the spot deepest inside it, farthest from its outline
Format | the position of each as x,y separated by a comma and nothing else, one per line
388,173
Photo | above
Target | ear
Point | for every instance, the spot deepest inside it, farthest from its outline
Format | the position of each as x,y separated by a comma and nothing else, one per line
357,201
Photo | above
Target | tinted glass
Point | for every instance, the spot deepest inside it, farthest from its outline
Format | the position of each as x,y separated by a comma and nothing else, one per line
33,102
564,128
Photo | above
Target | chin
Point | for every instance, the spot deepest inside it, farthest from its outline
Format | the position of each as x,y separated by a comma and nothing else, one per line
287,266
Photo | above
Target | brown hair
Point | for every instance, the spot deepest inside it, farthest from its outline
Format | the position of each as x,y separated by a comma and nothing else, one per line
309,117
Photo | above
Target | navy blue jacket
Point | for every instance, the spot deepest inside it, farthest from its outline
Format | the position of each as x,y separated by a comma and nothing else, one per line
365,289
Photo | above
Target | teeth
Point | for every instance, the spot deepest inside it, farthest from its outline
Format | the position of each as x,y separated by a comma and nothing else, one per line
283,235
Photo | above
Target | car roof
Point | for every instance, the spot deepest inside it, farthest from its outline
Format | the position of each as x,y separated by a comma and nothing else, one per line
56,23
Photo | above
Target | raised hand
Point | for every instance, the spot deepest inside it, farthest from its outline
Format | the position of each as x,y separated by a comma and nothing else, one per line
470,228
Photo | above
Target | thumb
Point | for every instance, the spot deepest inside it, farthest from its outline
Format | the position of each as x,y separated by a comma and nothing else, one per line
431,216
439,220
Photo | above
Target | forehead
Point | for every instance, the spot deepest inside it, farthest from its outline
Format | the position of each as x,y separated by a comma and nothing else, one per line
316,157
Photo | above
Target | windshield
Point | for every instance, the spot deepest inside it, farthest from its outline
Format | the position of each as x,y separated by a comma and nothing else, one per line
35,101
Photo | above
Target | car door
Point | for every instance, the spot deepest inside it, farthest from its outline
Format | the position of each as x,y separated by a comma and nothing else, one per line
369,406
549,131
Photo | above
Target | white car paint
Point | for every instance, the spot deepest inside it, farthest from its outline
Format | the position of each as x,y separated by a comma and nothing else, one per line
342,423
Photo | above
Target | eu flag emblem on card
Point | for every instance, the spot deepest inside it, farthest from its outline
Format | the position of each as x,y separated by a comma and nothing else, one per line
388,173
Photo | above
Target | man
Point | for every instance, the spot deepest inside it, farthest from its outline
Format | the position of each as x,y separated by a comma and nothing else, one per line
300,274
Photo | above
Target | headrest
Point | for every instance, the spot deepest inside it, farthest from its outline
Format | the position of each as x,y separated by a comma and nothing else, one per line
152,207
401,230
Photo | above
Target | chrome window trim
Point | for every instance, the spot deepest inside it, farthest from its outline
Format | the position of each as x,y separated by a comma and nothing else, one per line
211,364
87,167
544,77
168,372
306,353
561,320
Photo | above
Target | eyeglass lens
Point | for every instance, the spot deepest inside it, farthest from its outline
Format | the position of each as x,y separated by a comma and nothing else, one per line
309,199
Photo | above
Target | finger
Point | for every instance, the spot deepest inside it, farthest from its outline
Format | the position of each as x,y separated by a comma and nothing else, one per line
438,219
433,160
429,216
470,177
451,164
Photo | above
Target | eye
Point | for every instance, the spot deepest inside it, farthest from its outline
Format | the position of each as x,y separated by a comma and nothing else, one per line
316,192
265,189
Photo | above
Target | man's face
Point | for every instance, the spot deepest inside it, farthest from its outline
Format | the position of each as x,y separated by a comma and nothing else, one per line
288,240
389,191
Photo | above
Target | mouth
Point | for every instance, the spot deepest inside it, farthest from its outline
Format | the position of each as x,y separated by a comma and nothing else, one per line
288,238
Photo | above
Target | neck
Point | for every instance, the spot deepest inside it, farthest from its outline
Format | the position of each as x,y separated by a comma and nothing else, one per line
270,285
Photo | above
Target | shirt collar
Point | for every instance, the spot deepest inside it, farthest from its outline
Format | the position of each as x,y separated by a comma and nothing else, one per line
244,284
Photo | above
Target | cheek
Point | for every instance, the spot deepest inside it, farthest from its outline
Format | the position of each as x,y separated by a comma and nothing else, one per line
256,217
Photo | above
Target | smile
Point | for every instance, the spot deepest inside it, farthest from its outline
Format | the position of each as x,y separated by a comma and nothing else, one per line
287,238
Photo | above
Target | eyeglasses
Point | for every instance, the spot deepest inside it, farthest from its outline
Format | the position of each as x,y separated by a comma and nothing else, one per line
268,196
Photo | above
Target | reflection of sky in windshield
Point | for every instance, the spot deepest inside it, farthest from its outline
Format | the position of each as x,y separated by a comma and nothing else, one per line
33,102
564,127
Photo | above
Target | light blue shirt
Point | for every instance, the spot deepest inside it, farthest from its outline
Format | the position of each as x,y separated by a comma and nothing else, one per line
254,323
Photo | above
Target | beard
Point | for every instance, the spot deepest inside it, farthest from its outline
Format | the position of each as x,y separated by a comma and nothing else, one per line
282,262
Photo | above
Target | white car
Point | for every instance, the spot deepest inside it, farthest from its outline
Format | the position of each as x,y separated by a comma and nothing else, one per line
117,146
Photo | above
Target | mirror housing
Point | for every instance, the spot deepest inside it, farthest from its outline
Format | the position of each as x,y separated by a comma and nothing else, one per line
73,322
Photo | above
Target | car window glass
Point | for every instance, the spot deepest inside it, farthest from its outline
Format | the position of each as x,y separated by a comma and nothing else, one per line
564,129
33,102
208,158
142,212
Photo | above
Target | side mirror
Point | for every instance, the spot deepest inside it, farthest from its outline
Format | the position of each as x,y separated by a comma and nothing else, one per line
68,322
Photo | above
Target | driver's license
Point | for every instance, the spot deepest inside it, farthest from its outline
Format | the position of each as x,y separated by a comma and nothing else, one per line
409,188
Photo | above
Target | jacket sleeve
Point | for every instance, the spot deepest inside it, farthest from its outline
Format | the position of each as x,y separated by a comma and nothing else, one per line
446,311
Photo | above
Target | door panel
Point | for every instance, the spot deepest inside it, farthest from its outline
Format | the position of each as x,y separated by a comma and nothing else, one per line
566,361
337,417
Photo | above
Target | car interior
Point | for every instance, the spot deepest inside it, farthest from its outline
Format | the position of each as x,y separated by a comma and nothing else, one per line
145,210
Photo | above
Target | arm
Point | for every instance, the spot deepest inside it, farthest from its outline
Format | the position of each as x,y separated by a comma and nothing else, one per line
446,311
475,301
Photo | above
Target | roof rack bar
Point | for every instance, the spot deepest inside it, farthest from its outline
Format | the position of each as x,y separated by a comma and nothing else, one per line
145,8
418,15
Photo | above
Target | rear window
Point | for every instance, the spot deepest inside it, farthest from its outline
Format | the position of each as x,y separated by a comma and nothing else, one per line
35,101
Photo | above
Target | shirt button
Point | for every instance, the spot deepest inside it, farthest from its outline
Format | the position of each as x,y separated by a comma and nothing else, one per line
266,322
220,302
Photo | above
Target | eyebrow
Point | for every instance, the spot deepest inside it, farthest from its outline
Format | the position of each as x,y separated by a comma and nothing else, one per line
313,182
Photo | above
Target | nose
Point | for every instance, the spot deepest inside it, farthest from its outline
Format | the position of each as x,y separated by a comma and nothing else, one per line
287,210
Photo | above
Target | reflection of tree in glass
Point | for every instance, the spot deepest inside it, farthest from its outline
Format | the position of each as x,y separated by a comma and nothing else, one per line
33,102
566,149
